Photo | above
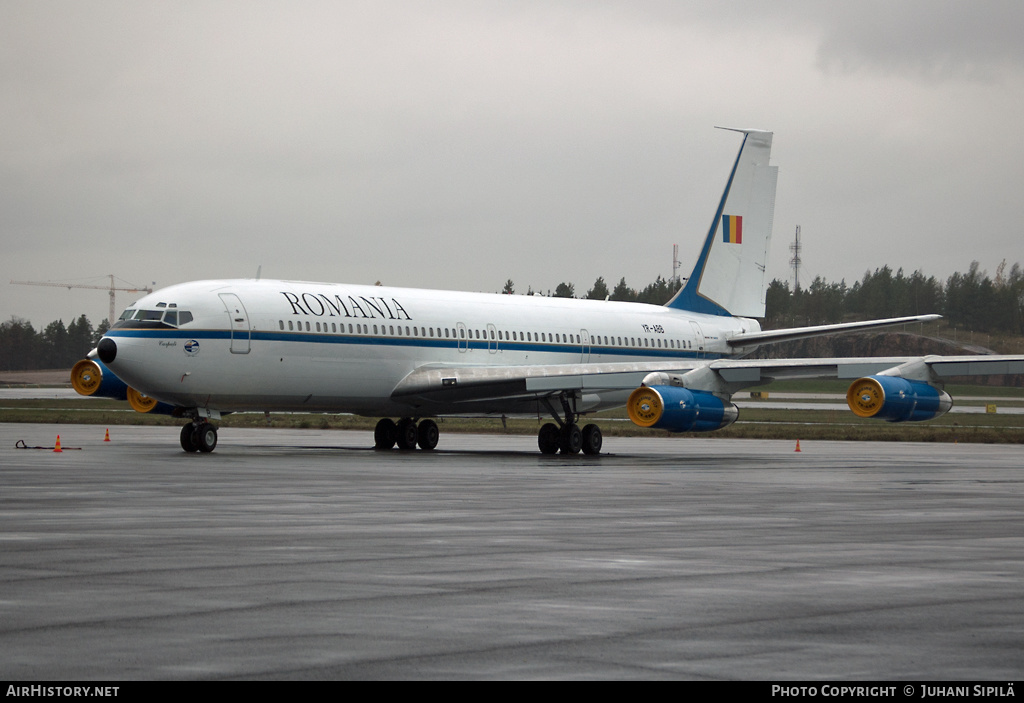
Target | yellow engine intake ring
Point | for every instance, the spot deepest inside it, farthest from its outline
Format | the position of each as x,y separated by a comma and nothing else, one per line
865,397
140,403
86,377
645,406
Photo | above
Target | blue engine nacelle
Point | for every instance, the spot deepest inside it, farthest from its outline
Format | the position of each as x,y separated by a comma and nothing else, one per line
896,399
93,378
679,409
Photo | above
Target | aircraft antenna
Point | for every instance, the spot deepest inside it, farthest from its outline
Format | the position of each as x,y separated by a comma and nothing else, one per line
794,261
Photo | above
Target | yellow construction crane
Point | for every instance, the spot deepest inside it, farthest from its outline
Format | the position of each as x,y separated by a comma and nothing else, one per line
111,288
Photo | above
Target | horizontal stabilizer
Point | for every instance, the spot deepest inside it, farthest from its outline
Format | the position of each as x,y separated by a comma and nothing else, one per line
786,335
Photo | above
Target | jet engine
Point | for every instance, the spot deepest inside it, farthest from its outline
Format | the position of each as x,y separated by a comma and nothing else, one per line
679,409
93,378
896,399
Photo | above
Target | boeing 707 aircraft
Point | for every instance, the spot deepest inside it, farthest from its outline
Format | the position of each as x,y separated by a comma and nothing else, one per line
203,349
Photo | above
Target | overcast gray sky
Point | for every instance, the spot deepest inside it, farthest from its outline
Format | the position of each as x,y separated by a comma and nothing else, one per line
451,144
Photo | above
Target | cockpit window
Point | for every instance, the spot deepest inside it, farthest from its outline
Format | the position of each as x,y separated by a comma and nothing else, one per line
167,316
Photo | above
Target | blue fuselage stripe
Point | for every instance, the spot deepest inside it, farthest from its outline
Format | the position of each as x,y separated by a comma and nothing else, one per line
454,344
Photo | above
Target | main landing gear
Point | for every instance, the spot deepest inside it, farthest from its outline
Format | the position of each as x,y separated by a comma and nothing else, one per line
567,437
406,433
199,436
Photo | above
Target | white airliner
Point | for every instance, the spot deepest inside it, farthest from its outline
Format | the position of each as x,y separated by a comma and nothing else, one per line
199,350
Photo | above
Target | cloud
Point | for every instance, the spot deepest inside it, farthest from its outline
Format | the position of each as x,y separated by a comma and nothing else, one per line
924,40
459,144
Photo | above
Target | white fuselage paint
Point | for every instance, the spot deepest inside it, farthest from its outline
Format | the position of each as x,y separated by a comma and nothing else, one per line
263,345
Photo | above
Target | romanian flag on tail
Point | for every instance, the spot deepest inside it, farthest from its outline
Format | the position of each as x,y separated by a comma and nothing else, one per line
732,229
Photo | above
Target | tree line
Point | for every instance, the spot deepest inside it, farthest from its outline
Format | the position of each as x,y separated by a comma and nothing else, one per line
56,346
657,293
970,301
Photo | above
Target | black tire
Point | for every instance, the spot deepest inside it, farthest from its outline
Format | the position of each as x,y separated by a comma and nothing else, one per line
592,439
547,438
571,439
186,439
205,437
427,434
407,435
385,434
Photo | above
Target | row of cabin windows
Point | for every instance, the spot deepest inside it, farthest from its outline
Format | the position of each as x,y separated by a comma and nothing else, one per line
515,336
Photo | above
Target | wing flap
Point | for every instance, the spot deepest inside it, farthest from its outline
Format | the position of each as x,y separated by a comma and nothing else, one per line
976,365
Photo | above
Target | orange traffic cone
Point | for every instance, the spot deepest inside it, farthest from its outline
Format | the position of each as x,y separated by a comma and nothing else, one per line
798,445
56,447
107,438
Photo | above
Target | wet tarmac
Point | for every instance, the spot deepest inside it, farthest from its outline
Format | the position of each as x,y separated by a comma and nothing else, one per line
780,401
290,554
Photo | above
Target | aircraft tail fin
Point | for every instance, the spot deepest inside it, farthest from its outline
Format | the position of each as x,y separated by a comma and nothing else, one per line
730,276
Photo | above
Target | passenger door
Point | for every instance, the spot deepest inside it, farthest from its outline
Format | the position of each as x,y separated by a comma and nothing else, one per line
238,322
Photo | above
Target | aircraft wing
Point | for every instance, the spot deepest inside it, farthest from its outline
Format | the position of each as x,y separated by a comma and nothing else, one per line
724,376
439,383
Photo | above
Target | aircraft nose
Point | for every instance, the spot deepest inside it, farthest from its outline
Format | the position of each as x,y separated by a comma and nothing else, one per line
107,350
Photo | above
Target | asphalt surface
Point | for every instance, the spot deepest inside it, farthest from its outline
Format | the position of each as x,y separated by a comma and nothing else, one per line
290,554
781,401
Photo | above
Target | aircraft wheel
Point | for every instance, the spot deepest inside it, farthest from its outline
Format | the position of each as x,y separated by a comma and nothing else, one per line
205,437
407,434
186,439
547,438
427,434
385,434
592,439
571,439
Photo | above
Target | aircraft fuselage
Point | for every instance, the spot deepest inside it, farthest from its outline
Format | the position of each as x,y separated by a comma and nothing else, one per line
262,345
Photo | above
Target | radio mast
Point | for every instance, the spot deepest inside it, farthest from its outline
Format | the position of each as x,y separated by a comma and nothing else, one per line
794,262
